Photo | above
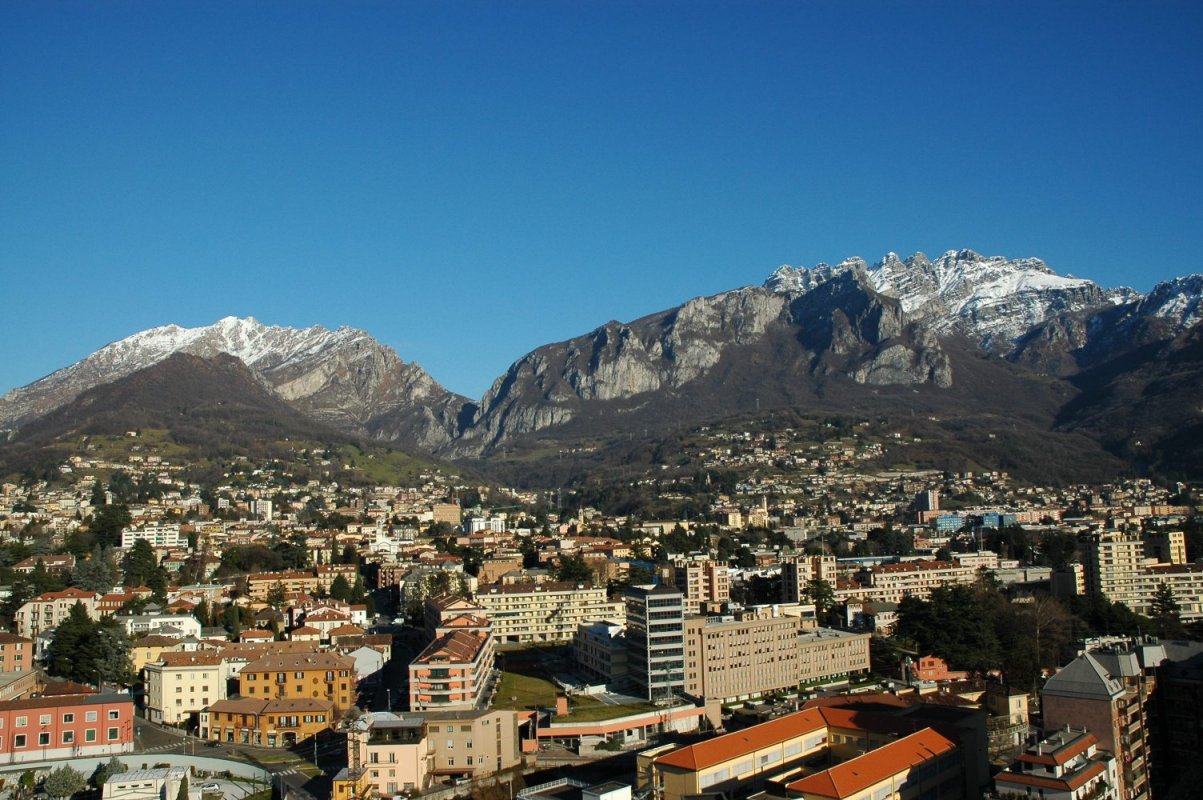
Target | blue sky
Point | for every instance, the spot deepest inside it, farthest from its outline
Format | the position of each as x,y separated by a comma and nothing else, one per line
469,180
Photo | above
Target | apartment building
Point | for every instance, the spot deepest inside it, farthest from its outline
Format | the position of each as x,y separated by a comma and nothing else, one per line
282,722
540,613
1066,765
299,676
1113,562
600,649
891,582
655,622
1125,569
16,653
155,535
798,571
1106,692
393,750
179,685
308,581
454,671
66,726
702,582
47,610
473,743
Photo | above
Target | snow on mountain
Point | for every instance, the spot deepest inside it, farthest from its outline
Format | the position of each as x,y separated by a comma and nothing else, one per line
990,298
314,366
1179,300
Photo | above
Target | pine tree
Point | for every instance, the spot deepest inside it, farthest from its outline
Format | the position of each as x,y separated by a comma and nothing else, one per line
340,589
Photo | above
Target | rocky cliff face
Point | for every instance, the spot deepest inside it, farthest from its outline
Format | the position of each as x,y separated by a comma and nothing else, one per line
773,343
895,334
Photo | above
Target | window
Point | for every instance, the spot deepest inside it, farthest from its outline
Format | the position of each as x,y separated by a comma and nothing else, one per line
451,762
68,737
19,740
113,734
68,719
44,719
469,761
22,722
90,735
90,716
43,739
114,715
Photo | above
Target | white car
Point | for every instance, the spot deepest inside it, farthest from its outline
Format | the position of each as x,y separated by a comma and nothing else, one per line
210,787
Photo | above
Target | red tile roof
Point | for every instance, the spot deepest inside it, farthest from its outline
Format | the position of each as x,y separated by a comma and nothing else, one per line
732,745
858,774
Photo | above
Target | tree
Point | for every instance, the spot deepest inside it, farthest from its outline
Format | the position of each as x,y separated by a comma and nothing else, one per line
182,794
96,574
819,592
106,770
1167,613
276,594
64,782
139,564
107,524
574,569
530,552
340,589
86,651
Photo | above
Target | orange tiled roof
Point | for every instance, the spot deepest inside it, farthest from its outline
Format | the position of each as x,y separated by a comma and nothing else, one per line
875,766
732,745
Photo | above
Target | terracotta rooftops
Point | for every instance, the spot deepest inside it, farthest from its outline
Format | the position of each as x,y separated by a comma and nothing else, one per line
457,647
731,745
860,773
287,662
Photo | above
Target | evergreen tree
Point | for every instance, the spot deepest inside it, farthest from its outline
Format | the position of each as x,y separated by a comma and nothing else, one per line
97,573
1167,613
140,564
574,569
107,524
275,595
64,782
340,589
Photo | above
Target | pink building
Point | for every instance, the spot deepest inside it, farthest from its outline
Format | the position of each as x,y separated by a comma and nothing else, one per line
70,726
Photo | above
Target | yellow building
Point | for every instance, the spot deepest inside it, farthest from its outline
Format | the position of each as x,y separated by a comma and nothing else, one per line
301,676
266,723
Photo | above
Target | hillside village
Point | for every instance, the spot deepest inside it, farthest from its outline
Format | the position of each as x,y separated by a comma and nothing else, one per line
447,636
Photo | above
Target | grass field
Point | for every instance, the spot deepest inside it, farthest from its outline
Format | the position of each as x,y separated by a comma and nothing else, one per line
526,692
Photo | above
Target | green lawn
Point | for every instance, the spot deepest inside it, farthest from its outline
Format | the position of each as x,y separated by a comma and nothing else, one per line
522,692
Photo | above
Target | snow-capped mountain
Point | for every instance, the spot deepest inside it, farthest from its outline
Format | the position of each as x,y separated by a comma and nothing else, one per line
993,300
896,336
344,377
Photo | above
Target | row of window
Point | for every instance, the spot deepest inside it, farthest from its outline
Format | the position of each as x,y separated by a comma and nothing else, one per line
20,740
68,718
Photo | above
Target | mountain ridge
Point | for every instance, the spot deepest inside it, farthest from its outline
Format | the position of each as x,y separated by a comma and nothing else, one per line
856,335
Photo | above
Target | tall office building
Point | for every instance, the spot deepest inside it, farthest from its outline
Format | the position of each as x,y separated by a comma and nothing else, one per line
656,640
